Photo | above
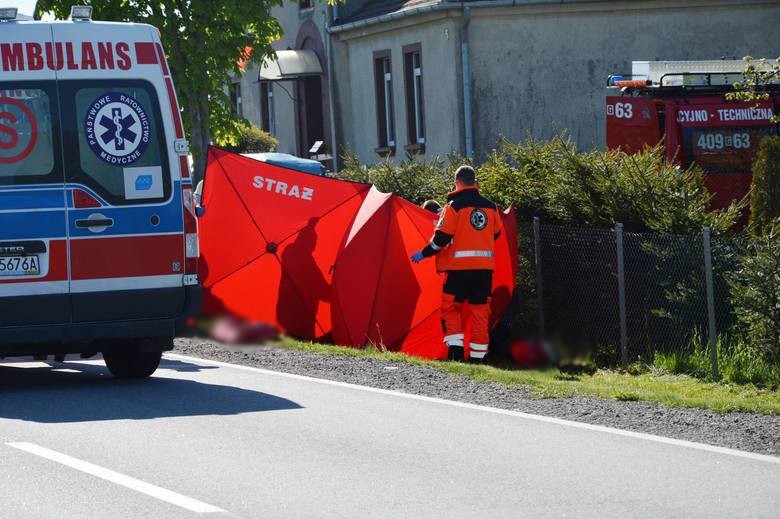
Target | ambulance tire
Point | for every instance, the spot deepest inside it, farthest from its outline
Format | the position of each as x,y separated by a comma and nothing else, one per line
132,362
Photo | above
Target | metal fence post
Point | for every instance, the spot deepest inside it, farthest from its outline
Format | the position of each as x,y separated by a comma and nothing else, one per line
539,282
713,339
621,295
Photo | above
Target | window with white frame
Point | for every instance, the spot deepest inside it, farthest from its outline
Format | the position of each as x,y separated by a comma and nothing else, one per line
415,113
384,100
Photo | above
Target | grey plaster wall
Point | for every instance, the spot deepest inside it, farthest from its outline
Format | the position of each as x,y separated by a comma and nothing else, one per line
356,98
540,69
290,18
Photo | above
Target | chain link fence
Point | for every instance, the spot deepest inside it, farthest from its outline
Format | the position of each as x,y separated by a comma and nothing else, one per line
623,296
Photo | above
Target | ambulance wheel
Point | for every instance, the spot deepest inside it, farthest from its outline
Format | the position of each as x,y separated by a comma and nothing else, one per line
131,362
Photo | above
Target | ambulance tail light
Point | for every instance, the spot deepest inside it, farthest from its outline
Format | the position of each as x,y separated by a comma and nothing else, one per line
191,247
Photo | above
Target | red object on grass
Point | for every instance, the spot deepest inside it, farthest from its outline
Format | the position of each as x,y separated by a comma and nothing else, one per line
528,354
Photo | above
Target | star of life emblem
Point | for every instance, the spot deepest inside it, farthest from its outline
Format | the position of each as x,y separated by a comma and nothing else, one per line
117,128
478,219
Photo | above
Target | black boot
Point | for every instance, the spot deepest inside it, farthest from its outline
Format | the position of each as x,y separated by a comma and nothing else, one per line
455,353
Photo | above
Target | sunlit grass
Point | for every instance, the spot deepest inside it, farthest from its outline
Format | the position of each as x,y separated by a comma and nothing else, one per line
654,385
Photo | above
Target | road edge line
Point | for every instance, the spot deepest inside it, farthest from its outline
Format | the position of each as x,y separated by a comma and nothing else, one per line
519,414
162,494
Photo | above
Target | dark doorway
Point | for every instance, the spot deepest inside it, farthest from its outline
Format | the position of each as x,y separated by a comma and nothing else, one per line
312,124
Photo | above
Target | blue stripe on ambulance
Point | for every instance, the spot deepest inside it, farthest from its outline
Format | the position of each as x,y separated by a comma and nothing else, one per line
46,224
133,220
51,198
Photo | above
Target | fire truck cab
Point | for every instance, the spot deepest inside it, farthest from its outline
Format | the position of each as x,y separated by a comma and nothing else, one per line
683,104
98,235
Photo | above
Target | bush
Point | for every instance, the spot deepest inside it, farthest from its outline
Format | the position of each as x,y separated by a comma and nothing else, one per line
415,179
252,139
554,181
755,292
738,362
765,196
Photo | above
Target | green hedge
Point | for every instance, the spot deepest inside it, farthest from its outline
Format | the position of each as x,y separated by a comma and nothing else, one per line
554,181
252,139
765,193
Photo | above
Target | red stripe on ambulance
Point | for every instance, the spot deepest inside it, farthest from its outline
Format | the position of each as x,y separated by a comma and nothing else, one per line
127,257
145,53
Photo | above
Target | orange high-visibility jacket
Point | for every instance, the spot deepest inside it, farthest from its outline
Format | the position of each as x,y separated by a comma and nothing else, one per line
466,233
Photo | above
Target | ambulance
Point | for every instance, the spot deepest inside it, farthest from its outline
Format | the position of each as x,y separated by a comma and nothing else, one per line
98,234
683,104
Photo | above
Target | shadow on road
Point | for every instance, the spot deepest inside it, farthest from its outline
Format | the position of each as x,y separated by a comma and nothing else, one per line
87,392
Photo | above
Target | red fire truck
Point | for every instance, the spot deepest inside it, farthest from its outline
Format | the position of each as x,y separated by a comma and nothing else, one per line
683,104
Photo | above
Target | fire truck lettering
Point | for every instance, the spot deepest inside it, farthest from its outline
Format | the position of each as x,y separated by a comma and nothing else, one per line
34,56
692,116
123,56
105,55
13,56
745,114
88,61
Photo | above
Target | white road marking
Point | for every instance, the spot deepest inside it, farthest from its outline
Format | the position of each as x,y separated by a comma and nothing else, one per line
162,494
528,416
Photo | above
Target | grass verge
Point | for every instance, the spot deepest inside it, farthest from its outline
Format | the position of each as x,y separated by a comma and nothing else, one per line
655,385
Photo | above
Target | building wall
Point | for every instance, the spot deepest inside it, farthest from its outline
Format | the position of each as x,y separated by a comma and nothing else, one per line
540,69
438,34
291,19
536,66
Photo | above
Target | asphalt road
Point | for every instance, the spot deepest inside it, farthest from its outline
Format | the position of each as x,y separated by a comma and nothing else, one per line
200,438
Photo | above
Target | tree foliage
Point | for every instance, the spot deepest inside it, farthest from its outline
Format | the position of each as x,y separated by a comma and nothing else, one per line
765,192
204,42
755,290
756,76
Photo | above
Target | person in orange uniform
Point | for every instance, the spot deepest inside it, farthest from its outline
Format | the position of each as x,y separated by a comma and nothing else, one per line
464,246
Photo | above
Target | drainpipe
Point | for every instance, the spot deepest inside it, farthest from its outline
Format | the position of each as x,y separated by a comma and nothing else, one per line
468,126
331,15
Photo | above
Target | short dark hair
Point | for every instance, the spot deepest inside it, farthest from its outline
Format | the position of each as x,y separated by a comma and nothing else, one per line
466,176
432,206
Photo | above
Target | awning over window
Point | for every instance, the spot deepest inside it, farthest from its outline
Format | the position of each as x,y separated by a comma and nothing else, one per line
290,64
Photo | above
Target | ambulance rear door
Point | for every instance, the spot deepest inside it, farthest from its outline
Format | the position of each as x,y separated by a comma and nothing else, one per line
33,248
123,185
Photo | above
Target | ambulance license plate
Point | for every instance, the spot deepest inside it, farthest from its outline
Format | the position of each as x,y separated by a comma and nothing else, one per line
20,265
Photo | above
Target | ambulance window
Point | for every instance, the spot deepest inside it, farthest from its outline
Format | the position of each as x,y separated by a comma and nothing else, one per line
27,138
114,142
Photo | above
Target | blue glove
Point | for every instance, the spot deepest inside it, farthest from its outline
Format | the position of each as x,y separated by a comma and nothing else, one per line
417,257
